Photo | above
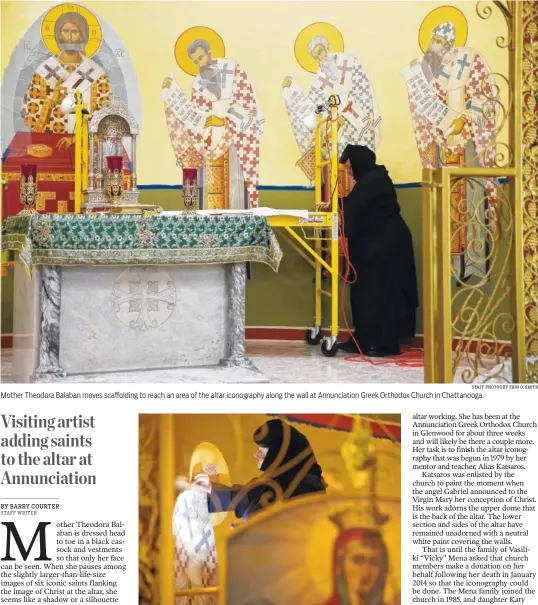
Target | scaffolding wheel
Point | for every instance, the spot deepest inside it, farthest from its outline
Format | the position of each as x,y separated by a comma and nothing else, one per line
327,349
313,336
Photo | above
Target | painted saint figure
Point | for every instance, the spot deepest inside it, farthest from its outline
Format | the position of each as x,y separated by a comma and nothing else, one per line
61,75
216,133
360,567
452,98
196,551
340,74
450,94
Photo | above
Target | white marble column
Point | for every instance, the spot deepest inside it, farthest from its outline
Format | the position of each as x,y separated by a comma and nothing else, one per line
235,349
49,348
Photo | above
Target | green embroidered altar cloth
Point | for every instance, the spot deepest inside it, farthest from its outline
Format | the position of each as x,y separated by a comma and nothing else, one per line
94,239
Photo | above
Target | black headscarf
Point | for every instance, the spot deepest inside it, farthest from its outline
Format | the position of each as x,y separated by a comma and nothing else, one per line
361,158
285,444
288,452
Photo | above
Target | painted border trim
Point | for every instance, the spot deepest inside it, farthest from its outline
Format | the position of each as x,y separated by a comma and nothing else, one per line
417,185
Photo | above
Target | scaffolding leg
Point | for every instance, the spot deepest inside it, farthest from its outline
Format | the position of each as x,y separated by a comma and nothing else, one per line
313,335
335,261
329,346
318,318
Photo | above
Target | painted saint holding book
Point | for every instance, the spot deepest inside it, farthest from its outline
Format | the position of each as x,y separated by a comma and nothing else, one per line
215,134
454,105
319,49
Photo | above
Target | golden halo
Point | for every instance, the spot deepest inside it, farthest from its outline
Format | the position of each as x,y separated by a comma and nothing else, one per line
442,15
336,43
95,34
190,35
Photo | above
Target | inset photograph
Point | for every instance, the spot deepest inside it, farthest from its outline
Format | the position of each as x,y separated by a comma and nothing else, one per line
254,509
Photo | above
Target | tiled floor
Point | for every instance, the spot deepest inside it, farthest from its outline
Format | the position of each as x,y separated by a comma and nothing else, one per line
285,362
291,362
276,362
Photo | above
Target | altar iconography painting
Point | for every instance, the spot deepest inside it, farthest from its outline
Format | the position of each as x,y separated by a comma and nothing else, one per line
67,49
331,550
192,525
319,49
455,109
215,131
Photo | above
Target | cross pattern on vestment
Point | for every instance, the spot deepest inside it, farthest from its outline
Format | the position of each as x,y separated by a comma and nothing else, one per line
204,540
84,76
187,517
248,98
243,86
349,108
223,73
463,63
325,82
235,113
469,105
52,73
344,69
441,72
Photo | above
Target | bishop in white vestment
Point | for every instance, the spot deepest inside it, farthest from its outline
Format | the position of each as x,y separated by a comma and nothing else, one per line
196,551
452,100
220,125
339,74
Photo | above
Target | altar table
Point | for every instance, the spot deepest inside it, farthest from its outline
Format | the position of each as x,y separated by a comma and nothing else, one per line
104,293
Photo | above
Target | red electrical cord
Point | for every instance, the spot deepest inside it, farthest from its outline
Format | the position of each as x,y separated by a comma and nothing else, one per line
410,357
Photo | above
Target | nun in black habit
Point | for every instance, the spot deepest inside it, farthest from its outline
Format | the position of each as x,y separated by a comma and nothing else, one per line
283,453
384,299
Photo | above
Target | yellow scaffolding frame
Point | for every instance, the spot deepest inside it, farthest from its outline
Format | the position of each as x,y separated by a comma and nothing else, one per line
82,150
321,223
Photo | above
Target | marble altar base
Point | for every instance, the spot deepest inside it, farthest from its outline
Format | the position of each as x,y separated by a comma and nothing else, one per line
92,320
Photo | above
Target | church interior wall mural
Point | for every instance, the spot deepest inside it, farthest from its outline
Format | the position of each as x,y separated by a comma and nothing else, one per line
291,41
225,113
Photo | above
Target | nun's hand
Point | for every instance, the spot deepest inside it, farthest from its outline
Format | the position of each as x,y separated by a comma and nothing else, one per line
203,482
182,484
210,469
